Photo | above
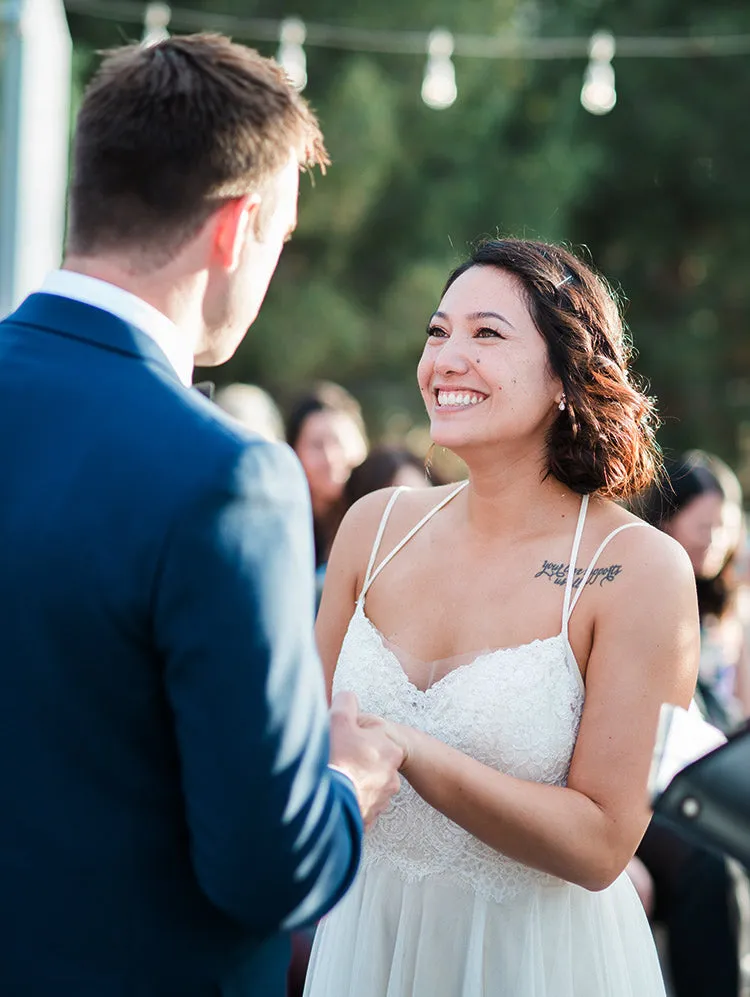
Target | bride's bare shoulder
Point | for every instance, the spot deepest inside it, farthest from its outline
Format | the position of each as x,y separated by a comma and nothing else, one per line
360,524
649,550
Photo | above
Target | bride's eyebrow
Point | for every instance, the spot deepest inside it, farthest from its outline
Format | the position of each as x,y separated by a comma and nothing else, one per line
473,316
479,315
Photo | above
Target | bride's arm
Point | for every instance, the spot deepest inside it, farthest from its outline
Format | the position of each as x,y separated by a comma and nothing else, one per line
345,573
645,652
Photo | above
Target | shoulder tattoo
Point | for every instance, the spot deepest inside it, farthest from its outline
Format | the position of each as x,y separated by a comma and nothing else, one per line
558,574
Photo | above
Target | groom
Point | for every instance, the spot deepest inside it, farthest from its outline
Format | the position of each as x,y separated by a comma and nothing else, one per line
168,808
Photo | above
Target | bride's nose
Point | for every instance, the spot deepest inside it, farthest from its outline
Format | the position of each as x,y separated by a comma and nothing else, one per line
453,357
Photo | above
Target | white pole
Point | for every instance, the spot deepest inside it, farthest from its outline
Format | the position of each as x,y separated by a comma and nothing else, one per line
36,128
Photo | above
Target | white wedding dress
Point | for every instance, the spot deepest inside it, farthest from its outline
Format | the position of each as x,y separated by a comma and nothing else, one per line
434,912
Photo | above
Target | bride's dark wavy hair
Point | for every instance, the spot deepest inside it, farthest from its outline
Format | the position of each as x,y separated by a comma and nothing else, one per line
604,441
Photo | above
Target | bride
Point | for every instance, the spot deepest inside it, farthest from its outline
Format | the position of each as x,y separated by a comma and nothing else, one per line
516,634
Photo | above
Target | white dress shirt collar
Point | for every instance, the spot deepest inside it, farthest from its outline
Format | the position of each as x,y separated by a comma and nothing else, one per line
129,308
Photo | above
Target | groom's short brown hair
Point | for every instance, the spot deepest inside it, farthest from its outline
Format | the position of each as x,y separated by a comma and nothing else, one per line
169,131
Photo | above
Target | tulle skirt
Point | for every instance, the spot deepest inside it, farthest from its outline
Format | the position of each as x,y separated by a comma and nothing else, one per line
431,938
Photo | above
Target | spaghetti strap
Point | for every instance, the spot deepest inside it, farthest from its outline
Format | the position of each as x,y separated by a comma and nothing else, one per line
379,535
592,565
372,575
572,564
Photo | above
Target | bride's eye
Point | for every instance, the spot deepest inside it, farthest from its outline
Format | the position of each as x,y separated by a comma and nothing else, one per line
486,333
435,332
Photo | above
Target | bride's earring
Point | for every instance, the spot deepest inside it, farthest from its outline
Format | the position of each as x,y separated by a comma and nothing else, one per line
562,403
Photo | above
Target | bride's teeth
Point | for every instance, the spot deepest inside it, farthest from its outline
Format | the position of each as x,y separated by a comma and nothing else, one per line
462,398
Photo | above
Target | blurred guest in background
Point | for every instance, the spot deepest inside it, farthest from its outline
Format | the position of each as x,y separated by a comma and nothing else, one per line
696,894
699,503
386,466
254,408
327,432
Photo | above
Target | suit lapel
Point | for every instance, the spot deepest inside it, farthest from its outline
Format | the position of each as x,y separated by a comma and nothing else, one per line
77,320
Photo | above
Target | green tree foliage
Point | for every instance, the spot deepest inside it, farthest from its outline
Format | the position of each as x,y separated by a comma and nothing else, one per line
667,215
657,191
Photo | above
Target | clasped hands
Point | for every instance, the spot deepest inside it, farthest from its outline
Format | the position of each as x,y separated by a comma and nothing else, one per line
369,750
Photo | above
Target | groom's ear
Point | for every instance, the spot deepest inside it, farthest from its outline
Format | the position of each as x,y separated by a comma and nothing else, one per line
235,222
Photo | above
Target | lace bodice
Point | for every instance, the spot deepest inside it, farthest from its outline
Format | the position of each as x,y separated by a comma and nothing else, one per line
515,709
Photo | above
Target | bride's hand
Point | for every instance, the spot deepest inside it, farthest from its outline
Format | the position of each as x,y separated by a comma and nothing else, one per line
398,733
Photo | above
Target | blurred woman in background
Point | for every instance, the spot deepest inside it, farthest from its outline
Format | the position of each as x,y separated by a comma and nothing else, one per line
696,894
386,466
327,432
699,504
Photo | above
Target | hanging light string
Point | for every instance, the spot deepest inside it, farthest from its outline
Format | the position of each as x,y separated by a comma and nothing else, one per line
439,89
416,42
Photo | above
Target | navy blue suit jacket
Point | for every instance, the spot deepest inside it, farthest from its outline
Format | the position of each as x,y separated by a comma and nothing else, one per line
166,809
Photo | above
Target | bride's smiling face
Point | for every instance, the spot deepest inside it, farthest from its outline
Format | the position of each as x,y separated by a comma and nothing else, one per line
485,375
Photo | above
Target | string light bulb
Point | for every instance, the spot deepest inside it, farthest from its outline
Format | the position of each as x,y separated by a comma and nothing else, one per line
291,55
156,18
439,90
598,94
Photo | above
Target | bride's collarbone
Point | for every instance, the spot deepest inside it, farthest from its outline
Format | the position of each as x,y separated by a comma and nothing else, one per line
454,617
448,575
442,609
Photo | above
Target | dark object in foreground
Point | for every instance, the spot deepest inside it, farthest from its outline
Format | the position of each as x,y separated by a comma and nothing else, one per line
709,800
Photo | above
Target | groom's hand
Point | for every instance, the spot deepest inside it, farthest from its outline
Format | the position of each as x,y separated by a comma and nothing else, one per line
399,733
367,756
